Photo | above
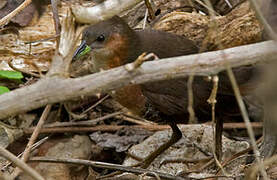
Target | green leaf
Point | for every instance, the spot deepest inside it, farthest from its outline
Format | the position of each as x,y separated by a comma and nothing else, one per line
10,74
4,89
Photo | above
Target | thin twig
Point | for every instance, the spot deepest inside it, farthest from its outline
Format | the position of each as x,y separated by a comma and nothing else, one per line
239,154
206,165
192,119
36,132
5,20
106,128
247,121
96,104
150,9
141,177
133,120
208,7
253,171
104,165
34,146
57,24
112,128
34,136
142,120
82,123
20,164
262,20
43,40
145,19
72,114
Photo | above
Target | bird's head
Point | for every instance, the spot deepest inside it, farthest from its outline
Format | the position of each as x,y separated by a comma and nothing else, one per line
108,43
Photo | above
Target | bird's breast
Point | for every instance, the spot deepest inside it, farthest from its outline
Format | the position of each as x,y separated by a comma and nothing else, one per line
131,97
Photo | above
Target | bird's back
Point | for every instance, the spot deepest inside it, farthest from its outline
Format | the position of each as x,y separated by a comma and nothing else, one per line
165,44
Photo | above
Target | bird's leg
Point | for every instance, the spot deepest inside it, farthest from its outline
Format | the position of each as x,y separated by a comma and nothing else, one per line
218,121
218,138
176,136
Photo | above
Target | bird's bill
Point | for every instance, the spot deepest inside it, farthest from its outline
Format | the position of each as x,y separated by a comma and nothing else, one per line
81,50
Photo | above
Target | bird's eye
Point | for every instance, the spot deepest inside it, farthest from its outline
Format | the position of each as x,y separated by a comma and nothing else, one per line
100,38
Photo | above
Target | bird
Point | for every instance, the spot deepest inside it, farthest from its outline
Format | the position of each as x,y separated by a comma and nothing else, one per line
113,43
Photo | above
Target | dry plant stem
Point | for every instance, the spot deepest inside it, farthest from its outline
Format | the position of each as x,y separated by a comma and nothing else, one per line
19,163
247,122
105,165
141,177
73,115
206,153
150,9
43,40
238,155
70,34
228,3
34,136
100,12
133,120
253,171
144,121
55,89
255,125
207,7
5,20
106,128
145,19
34,146
21,70
82,123
36,132
96,104
206,165
192,119
112,128
57,24
217,148
219,176
189,86
262,20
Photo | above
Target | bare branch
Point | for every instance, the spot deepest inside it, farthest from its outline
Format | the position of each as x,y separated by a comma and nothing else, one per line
5,20
102,11
5,153
55,89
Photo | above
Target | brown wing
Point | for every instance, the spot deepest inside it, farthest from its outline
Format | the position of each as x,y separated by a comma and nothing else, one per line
165,44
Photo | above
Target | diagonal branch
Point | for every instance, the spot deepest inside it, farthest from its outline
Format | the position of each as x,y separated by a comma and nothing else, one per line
55,89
